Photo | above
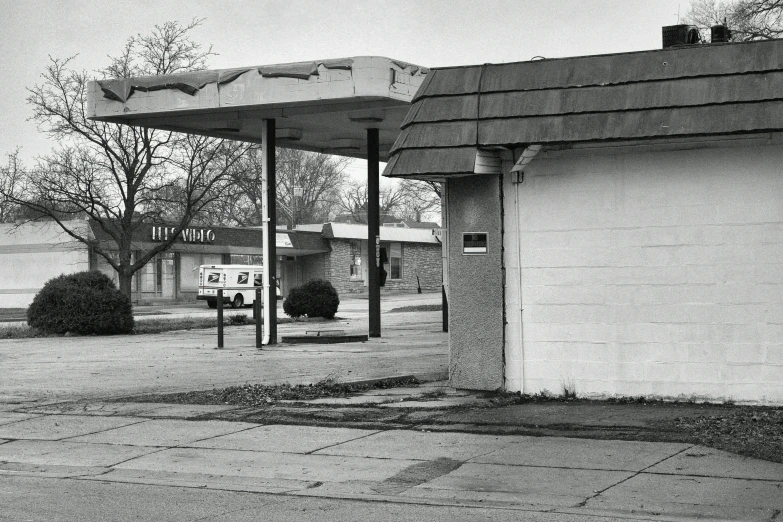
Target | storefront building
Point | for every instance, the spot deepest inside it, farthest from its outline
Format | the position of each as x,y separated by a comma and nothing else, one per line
411,258
173,275
311,252
615,222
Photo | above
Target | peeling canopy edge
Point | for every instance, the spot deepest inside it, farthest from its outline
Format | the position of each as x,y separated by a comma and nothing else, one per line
189,83
303,71
192,82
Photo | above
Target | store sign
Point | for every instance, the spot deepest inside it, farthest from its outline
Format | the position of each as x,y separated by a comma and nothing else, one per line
474,243
188,235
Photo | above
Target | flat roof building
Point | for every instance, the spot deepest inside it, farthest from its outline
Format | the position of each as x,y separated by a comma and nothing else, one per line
329,251
614,223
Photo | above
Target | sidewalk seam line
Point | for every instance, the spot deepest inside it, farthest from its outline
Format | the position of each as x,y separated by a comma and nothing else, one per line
345,441
21,420
470,460
214,436
64,439
158,450
635,474
668,474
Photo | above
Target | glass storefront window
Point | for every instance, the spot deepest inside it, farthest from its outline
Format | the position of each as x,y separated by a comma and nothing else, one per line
395,260
356,260
247,259
148,278
159,276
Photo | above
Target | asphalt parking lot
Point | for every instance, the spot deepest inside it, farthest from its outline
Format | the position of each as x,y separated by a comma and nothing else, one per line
52,369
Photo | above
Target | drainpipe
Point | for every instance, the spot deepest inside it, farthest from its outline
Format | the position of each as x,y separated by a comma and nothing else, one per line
518,177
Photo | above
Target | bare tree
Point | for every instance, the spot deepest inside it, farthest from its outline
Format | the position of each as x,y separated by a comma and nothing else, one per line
406,199
9,181
420,198
307,189
119,176
308,185
747,19
354,202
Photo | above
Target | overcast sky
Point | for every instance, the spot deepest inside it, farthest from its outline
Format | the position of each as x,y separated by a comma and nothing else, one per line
431,33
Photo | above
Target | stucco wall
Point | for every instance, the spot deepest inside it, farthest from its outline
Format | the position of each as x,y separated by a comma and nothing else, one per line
30,255
648,273
476,291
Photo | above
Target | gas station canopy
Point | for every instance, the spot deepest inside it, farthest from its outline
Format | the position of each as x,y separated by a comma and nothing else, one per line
348,106
322,106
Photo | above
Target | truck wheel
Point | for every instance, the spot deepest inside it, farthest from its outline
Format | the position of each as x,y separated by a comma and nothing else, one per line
212,303
238,301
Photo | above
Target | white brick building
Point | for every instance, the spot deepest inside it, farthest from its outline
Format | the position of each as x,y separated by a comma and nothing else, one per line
628,212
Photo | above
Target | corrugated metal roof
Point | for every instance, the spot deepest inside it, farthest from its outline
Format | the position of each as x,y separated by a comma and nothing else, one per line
697,90
655,94
432,161
437,134
698,121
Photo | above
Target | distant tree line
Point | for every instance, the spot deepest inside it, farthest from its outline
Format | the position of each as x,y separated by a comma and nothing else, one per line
747,19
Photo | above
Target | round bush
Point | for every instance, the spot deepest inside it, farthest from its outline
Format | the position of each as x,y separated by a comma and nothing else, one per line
83,303
315,298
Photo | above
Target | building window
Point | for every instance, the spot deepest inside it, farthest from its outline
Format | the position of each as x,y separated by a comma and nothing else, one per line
356,260
395,261
159,276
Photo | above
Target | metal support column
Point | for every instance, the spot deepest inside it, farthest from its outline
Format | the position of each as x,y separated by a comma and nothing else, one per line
270,301
373,232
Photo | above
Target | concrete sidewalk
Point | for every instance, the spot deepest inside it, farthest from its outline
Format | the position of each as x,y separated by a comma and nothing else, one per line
145,443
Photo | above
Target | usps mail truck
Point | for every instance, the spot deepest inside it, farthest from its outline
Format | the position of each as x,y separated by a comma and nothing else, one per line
239,283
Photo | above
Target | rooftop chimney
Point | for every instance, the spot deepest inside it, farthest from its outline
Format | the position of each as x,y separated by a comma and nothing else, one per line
720,33
680,35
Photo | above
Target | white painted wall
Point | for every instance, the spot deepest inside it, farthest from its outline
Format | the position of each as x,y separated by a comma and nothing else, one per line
30,255
647,273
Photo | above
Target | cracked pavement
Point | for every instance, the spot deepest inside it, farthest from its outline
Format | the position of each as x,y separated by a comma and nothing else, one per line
135,445
87,459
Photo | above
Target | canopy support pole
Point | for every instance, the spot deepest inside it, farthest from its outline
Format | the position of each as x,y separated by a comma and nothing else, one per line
373,232
269,222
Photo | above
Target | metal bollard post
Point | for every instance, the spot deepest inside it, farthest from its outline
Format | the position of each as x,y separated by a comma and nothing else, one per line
259,316
220,317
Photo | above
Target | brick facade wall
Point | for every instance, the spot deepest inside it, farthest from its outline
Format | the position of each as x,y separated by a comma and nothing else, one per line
422,259
340,268
313,267
418,258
